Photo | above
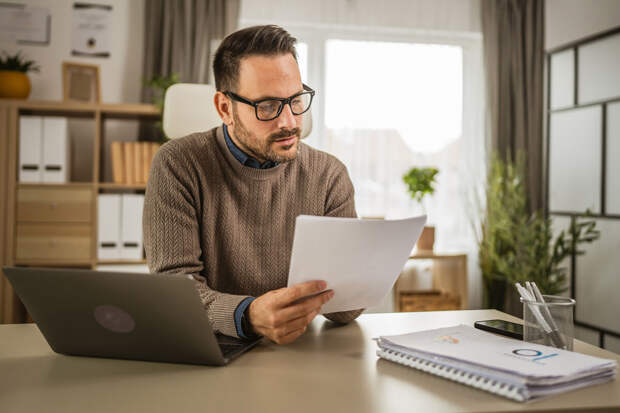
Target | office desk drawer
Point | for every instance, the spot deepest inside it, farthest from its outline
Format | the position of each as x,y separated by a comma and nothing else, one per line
53,243
54,204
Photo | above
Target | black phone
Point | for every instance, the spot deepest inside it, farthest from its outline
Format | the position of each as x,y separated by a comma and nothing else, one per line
505,328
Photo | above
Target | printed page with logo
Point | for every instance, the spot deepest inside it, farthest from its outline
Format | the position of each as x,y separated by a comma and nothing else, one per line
508,367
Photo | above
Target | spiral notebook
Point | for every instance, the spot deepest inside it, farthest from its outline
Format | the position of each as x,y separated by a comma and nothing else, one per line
507,367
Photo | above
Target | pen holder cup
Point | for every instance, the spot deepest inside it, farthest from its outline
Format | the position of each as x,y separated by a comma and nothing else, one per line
549,323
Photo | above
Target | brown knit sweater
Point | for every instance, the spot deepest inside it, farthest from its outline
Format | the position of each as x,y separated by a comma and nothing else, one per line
231,226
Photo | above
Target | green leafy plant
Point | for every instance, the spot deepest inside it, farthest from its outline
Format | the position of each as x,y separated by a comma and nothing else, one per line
159,84
518,246
420,182
17,62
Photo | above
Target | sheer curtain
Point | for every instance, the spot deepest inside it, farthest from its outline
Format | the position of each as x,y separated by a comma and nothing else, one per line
391,122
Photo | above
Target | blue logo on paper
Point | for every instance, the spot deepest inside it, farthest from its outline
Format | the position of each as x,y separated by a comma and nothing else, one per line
528,352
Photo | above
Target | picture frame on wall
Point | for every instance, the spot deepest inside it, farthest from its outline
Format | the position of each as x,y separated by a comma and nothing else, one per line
80,82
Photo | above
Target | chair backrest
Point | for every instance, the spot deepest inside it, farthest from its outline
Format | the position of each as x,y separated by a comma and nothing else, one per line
189,108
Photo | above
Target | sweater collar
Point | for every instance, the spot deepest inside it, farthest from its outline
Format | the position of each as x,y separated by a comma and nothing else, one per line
244,158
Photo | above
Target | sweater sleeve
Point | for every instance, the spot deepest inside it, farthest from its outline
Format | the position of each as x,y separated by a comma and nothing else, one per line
171,232
340,202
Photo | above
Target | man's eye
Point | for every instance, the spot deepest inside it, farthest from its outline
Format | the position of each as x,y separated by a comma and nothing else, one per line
268,107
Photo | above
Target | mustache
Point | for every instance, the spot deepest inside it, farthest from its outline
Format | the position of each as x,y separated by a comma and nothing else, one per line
285,133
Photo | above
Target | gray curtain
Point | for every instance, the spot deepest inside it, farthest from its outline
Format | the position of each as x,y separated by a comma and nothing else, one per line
178,36
513,33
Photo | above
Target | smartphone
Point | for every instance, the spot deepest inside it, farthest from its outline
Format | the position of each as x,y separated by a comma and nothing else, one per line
505,328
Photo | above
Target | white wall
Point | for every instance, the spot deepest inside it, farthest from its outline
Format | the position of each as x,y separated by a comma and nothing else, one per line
570,20
121,73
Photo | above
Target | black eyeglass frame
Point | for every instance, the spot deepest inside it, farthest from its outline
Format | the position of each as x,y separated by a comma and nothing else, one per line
283,101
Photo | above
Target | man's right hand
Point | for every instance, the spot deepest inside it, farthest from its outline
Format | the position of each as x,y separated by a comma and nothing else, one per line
278,316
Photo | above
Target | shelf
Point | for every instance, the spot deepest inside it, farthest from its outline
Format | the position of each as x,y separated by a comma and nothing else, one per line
423,254
54,185
121,262
110,185
62,264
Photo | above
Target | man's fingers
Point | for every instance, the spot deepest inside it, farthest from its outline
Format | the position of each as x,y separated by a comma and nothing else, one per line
305,307
290,337
295,324
298,291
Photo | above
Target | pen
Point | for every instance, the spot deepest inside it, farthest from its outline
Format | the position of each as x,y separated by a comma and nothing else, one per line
525,294
554,327
554,334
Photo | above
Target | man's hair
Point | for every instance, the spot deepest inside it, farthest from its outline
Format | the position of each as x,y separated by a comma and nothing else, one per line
267,40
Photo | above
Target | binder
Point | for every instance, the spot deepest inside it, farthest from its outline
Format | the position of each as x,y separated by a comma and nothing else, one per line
109,227
145,147
137,165
514,369
128,155
55,149
30,148
131,228
118,163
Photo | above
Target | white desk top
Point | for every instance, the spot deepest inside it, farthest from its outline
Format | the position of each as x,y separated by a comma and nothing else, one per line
329,369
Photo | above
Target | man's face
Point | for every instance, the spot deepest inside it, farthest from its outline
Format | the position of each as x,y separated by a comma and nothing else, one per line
263,77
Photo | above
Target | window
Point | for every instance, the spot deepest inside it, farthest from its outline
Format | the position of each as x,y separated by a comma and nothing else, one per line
401,106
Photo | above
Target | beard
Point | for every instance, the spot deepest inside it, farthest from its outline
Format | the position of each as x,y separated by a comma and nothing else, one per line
263,150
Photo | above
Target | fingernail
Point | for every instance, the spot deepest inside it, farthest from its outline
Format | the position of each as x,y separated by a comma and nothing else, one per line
322,285
331,294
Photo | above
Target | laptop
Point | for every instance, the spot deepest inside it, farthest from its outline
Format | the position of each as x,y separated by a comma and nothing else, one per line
153,317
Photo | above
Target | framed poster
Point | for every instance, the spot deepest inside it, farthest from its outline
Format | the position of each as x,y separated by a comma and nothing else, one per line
91,24
80,82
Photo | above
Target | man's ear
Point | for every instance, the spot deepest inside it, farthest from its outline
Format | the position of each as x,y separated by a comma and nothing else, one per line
224,107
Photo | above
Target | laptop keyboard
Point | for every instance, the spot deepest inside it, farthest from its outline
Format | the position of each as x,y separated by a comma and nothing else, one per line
228,349
229,345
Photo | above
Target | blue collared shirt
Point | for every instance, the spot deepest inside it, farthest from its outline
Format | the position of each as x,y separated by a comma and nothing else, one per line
244,158
248,161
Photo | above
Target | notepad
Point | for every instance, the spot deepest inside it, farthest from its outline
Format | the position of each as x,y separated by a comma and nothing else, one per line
507,367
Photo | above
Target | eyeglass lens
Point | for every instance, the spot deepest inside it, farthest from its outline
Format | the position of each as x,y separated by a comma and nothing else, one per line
269,109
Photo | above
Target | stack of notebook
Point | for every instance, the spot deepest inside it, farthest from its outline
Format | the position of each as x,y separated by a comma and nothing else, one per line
511,368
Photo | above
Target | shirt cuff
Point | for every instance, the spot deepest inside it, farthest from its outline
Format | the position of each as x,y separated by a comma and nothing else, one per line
243,305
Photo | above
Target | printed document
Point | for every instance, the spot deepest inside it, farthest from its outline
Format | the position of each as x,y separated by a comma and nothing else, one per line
359,259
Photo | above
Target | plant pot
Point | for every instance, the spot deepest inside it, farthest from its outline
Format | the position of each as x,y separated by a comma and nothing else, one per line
427,239
14,84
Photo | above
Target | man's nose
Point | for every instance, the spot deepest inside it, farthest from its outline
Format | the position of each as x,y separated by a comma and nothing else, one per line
287,120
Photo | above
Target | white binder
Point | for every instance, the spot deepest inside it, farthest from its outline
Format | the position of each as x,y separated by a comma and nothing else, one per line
30,148
109,227
131,229
55,149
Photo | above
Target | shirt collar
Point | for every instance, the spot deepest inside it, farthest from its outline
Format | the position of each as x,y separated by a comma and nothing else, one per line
244,158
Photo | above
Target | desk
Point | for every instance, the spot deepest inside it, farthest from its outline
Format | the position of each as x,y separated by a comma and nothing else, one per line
329,369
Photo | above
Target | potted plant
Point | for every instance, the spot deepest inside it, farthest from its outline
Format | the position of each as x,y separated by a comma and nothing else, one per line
14,82
517,246
420,182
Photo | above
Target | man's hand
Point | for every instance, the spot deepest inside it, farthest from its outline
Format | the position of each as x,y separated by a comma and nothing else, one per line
278,316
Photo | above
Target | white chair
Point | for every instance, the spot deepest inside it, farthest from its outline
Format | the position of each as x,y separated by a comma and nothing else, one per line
189,108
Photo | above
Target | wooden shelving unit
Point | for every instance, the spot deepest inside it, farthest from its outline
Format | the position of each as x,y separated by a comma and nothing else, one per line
449,289
32,213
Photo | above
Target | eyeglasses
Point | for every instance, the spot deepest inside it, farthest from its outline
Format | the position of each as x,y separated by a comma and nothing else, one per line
269,109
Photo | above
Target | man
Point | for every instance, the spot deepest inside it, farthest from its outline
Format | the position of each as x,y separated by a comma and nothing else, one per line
221,205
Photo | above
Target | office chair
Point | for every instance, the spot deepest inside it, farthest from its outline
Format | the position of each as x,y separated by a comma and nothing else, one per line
189,108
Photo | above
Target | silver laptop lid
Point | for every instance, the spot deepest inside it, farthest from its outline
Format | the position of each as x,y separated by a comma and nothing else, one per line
156,317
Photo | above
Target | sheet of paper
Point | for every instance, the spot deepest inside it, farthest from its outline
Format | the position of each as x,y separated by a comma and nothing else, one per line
359,259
